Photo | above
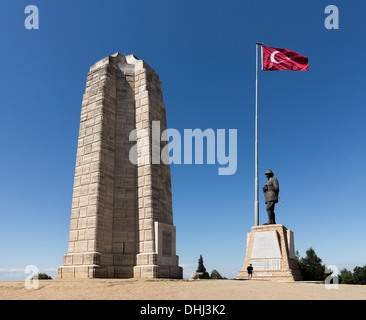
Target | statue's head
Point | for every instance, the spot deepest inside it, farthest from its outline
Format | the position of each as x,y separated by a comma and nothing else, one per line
269,173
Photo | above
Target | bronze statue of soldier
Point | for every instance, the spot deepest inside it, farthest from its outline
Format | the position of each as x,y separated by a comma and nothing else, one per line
271,190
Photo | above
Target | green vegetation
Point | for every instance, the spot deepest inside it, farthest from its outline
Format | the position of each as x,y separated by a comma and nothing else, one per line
42,276
201,268
311,266
312,269
357,277
205,275
216,275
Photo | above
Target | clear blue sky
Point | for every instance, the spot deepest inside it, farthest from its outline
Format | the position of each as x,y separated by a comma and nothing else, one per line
312,124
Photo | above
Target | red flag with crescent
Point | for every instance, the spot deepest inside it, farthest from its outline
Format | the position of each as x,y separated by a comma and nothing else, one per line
276,59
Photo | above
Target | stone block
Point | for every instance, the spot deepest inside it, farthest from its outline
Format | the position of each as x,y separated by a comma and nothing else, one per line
67,260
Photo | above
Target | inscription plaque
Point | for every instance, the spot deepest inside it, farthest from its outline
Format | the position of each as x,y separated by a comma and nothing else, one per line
167,244
265,245
266,264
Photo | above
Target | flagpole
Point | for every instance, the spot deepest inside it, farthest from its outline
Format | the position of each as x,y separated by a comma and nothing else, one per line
256,203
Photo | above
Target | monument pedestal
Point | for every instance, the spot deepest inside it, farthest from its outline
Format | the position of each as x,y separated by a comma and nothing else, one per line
163,263
271,251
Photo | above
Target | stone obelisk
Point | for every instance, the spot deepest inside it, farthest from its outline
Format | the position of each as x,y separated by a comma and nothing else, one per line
121,218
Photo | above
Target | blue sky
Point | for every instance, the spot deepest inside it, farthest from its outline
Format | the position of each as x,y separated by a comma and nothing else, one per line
311,124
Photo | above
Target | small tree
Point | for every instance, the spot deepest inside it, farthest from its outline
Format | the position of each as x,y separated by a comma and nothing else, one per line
42,276
216,275
311,266
346,277
201,268
359,275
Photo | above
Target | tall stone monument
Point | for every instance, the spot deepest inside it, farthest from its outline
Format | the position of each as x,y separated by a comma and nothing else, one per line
121,218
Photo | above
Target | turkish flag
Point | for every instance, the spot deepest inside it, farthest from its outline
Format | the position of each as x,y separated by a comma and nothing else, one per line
276,59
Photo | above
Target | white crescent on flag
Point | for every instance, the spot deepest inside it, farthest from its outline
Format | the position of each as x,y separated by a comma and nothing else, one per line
273,57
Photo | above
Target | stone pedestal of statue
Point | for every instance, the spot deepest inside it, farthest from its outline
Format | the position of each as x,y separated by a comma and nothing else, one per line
271,251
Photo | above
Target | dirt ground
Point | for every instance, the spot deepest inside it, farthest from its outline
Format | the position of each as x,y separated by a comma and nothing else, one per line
144,289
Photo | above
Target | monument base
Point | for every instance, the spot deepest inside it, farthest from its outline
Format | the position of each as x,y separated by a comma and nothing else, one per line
93,271
152,265
163,263
98,271
271,251
272,275
155,271
96,265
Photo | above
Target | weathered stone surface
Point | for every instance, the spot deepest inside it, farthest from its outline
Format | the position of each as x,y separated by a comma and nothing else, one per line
116,203
270,249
